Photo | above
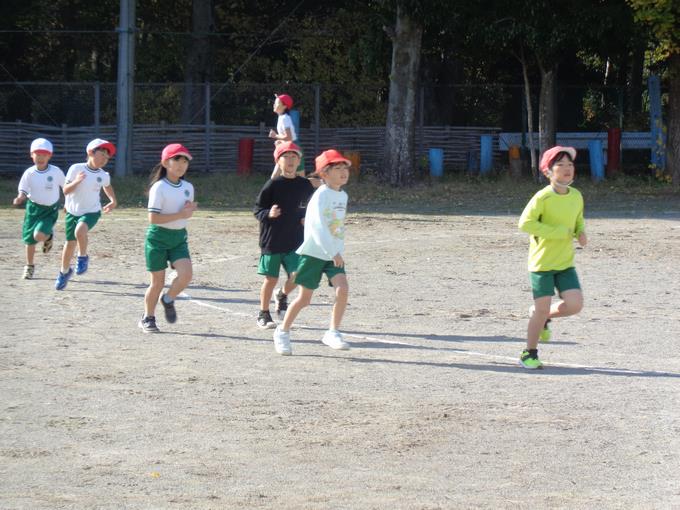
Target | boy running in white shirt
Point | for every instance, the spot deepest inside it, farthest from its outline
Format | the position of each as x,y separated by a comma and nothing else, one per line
322,251
39,188
84,182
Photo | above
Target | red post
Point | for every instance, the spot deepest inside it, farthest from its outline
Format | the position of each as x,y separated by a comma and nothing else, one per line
613,150
245,155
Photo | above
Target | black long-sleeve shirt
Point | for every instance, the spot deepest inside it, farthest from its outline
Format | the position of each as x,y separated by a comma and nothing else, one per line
284,233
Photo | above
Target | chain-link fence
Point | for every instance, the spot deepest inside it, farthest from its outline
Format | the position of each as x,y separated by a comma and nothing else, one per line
216,116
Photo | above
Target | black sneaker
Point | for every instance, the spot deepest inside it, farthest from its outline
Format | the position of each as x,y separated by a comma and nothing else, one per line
265,321
281,302
169,309
148,324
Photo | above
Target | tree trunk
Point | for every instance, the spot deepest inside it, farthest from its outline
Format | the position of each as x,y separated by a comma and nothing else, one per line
399,158
530,115
673,138
197,70
636,77
547,111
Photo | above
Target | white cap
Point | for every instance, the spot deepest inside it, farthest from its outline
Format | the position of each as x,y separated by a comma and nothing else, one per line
41,145
98,143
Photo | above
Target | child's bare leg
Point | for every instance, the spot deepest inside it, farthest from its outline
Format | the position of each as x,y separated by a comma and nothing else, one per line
81,236
153,292
184,274
41,237
537,320
571,304
341,287
266,291
67,255
303,299
290,284
30,254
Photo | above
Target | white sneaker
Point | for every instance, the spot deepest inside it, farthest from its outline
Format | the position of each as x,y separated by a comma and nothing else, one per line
282,342
334,340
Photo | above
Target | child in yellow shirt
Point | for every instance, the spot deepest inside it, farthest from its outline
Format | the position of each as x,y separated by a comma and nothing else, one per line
553,218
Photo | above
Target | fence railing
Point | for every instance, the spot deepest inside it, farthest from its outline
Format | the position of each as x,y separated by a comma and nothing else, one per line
215,149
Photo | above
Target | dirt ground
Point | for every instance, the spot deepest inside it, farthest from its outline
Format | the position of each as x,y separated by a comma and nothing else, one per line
428,410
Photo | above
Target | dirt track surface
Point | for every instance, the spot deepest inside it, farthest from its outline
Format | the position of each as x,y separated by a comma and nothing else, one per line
429,409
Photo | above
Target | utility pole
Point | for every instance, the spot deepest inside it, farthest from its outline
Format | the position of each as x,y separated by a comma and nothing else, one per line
126,81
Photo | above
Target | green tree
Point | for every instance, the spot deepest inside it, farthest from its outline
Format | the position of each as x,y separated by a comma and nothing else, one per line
663,18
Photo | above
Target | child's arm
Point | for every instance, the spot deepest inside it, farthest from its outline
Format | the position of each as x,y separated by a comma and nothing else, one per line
70,187
108,190
19,199
286,137
580,232
263,203
186,213
530,222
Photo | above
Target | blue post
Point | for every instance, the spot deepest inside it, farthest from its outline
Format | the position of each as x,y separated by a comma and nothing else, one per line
436,157
295,117
658,156
596,164
486,154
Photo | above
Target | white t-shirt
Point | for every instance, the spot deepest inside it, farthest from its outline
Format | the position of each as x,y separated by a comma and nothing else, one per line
85,198
42,186
325,224
285,122
166,197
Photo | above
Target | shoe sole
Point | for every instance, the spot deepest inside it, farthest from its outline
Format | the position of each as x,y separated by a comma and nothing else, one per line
284,353
337,348
271,325
148,330
530,368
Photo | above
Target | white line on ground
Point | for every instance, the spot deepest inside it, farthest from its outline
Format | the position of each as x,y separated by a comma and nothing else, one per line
463,352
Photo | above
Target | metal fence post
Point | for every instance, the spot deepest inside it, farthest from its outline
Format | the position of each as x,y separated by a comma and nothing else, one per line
421,121
97,108
317,117
207,127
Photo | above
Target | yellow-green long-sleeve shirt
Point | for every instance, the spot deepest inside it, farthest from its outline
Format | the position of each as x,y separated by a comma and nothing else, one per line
552,220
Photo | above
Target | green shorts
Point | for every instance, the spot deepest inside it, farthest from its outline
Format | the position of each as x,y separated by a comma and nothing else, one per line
90,219
544,283
164,245
270,263
310,269
39,218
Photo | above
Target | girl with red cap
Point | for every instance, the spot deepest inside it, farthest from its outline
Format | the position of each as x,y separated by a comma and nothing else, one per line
171,204
553,218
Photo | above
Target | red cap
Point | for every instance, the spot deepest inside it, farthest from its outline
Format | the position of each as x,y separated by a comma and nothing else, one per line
175,149
549,156
98,143
286,100
284,147
328,158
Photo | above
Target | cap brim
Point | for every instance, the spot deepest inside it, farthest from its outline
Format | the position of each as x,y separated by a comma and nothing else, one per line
42,151
181,153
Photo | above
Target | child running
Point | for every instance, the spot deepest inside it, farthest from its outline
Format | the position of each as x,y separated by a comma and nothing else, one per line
553,218
84,182
171,204
39,188
322,251
285,128
280,209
